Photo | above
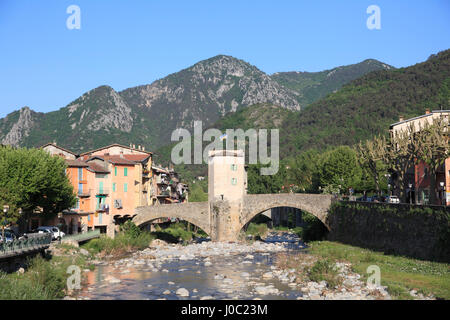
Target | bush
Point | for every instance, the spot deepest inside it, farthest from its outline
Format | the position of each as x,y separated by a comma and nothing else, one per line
43,280
325,270
257,229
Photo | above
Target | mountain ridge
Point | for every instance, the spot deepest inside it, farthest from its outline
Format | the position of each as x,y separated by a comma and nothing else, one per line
147,114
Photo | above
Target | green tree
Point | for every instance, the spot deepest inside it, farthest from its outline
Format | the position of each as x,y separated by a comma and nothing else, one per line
35,179
370,156
339,168
433,149
302,171
198,191
261,184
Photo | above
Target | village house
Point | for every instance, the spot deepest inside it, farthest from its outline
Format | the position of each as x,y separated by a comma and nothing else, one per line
109,183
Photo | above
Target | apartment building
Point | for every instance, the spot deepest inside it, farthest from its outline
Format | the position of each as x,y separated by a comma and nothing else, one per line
110,182
417,182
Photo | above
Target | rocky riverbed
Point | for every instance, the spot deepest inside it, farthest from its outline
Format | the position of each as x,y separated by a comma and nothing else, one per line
211,270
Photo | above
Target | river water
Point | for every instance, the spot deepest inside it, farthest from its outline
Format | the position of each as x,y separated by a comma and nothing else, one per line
227,276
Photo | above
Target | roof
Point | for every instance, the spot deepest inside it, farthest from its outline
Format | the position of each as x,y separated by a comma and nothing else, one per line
76,163
114,145
136,157
56,146
94,167
118,160
419,117
159,169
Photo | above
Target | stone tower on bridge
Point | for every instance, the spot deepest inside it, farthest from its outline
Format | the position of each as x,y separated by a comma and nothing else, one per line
227,186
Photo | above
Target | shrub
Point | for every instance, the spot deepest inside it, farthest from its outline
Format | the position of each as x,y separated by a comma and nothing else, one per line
325,270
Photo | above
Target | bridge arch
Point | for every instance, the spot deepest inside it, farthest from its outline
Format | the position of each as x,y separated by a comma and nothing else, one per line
195,213
315,204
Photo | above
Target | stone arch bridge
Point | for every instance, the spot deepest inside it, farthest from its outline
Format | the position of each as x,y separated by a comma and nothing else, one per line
222,220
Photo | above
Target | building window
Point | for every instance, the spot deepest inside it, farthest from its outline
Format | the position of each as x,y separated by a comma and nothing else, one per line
125,172
114,187
233,181
233,167
80,173
89,218
125,187
115,171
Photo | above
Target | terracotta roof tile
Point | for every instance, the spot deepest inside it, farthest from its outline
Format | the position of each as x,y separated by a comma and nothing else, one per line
76,163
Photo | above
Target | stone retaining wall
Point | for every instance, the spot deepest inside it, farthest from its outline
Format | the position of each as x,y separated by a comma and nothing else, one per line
417,231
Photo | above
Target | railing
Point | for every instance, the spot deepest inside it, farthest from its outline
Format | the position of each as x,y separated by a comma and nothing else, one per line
84,193
32,243
82,236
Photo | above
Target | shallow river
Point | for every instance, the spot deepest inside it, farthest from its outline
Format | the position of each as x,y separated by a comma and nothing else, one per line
228,277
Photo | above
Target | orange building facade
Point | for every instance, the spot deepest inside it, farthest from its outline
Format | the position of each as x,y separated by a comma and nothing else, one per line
109,184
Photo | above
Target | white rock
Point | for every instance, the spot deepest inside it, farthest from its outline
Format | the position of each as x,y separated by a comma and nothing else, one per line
182,292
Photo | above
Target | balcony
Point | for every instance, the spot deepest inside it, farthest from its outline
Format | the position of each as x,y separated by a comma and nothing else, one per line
84,193
102,191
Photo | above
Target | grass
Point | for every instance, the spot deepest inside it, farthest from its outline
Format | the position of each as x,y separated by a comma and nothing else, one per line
177,232
120,245
325,270
399,274
44,279
254,229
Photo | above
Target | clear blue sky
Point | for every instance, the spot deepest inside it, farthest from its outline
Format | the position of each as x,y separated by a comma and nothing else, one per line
45,66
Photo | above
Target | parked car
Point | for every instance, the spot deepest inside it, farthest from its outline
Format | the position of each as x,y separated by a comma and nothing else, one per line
393,199
9,236
56,233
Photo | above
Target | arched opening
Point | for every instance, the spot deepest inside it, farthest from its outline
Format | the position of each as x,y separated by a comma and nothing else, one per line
174,230
285,219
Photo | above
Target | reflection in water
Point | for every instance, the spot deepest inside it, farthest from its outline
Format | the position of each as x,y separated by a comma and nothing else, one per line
234,276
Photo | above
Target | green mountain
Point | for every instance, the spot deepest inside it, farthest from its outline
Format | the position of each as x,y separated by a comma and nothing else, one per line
148,114
312,86
368,105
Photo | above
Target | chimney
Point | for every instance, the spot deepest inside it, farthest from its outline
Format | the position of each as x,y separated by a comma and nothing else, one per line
401,119
134,146
139,147
143,148
427,111
121,153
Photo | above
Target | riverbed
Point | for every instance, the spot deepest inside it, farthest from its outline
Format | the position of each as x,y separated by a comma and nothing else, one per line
204,270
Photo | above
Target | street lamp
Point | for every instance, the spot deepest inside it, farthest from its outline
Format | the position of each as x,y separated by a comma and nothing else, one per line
4,222
442,189
410,193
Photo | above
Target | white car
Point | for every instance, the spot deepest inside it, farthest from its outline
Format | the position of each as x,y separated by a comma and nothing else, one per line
393,199
56,233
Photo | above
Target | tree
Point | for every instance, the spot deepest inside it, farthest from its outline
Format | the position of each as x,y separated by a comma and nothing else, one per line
258,183
35,179
433,149
370,157
303,171
401,153
197,191
339,168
